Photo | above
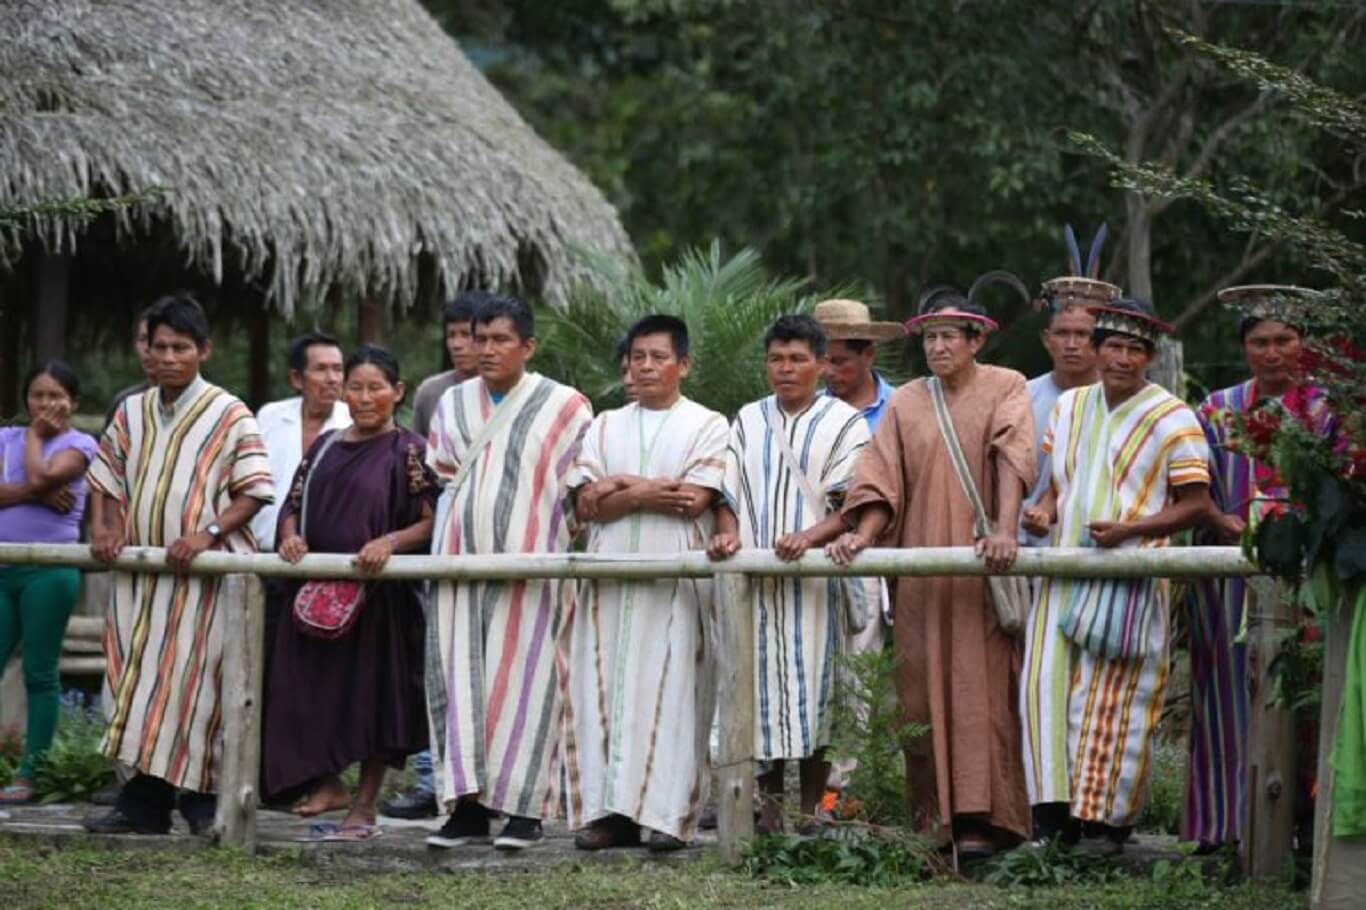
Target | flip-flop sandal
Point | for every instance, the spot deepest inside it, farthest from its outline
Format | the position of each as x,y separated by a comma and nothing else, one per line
18,795
353,834
317,833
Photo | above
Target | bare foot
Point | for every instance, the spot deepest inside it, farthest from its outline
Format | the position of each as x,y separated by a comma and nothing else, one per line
330,796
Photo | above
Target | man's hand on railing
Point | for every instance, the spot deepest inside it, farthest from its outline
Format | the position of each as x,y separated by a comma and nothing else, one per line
182,552
998,549
723,545
844,548
790,547
1037,521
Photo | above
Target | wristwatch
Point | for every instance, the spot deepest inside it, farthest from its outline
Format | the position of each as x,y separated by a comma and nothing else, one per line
215,531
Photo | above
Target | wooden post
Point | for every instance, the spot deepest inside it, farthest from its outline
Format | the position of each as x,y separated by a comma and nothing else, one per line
1168,368
258,371
244,611
50,306
1339,878
1270,763
735,688
11,330
369,320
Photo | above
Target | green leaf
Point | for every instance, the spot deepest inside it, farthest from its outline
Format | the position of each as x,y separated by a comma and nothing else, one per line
1281,544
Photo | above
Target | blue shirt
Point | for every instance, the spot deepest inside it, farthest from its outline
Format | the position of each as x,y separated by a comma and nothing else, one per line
873,413
1043,394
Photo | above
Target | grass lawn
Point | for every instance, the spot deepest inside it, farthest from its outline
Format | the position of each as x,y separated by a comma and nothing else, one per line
87,876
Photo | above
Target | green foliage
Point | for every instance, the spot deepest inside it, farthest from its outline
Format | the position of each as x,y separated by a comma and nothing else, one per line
1166,789
11,754
1048,865
727,304
73,768
869,730
850,856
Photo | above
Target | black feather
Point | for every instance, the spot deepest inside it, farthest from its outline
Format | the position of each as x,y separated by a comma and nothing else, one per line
1093,260
1073,251
997,276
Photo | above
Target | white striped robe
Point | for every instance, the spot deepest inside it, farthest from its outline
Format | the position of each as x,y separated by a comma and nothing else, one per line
492,692
174,472
800,623
637,707
1088,720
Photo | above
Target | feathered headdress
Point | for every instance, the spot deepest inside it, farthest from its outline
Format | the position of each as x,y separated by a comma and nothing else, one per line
1082,287
963,310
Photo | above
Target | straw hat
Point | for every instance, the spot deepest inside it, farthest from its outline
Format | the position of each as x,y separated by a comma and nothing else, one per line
849,320
1083,287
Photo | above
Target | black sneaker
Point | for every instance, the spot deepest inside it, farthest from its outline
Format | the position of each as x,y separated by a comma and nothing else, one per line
468,824
115,822
519,833
415,803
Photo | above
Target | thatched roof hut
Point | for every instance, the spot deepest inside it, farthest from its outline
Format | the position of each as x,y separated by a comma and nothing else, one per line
305,148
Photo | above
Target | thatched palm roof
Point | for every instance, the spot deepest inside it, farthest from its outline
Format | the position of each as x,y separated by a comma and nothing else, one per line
308,144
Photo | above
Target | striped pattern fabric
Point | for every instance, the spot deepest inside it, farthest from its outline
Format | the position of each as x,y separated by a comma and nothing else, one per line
174,473
492,692
799,624
1088,719
1215,798
631,657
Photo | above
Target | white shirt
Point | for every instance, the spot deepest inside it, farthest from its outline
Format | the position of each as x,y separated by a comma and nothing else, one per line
282,430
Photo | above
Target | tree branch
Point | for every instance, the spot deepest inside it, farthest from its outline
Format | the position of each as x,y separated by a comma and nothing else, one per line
1201,301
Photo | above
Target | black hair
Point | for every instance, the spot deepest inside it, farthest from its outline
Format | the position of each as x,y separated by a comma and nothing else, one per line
1055,311
142,316
855,345
954,300
1099,335
376,356
510,308
661,324
1248,323
298,348
623,349
60,371
799,327
180,313
463,306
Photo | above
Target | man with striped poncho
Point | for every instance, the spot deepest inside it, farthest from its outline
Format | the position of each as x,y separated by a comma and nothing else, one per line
180,466
637,695
1130,467
503,446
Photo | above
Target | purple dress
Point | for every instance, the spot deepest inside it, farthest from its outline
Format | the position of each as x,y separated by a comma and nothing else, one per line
332,703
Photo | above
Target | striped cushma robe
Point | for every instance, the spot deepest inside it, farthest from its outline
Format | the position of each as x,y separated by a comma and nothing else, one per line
800,626
637,709
492,693
1107,465
1215,796
174,471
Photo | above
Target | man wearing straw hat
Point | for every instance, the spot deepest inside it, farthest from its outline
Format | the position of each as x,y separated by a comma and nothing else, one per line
850,355
1131,469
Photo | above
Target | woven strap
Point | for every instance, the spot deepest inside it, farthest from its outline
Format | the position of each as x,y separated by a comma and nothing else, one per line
308,481
960,463
815,500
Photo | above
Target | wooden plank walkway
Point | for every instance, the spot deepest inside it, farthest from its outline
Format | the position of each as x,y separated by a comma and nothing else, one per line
402,847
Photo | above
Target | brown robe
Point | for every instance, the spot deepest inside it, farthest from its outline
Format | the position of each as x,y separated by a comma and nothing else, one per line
957,671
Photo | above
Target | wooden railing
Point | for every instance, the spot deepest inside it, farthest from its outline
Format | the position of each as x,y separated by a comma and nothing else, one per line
1270,769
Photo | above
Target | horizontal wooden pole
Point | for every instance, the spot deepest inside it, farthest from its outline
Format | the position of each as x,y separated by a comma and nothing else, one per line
1163,562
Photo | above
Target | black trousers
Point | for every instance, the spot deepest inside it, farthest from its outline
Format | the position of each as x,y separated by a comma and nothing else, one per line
149,800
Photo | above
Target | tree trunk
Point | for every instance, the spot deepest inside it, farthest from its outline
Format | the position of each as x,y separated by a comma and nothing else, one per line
369,321
1140,247
11,327
50,305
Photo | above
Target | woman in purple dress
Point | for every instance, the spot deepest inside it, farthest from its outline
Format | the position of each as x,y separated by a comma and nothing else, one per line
359,696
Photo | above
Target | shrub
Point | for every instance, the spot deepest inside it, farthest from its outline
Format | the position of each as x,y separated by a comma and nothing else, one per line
74,768
850,855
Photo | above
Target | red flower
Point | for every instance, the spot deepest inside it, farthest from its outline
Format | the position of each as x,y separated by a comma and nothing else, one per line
1262,425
